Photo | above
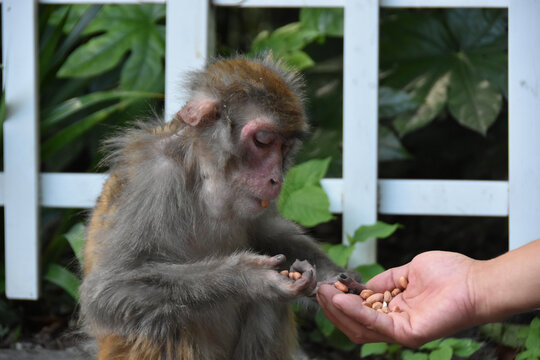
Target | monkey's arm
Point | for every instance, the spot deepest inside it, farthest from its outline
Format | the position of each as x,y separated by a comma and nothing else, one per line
120,300
276,235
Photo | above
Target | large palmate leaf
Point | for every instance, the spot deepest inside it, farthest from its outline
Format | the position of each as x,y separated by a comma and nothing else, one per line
122,29
456,58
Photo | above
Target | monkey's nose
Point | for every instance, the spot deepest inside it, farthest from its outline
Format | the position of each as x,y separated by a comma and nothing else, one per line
275,182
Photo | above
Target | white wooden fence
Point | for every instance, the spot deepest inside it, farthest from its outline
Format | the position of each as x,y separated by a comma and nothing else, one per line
359,195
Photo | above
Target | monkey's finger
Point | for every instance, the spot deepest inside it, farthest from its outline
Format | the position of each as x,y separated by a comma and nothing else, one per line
301,266
277,260
306,284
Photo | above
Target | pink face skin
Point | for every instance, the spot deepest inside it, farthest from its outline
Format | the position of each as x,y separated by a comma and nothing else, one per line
265,148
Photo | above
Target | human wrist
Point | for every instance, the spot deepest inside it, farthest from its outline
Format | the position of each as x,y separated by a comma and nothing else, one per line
501,286
486,293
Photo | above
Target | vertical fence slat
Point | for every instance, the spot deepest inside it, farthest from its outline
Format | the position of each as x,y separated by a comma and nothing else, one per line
186,45
360,99
21,144
524,121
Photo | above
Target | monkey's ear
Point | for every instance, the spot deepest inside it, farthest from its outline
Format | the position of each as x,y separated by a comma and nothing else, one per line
199,111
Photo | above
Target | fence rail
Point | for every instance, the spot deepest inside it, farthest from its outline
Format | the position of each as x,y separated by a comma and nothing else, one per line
306,3
359,195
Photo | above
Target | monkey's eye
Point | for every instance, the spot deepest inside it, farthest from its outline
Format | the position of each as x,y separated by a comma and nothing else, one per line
263,138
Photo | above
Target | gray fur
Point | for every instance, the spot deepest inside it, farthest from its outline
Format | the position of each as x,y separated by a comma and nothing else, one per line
180,257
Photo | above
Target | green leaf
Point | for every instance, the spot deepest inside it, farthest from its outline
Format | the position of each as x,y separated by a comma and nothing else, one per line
369,271
75,12
394,348
379,348
474,102
308,173
379,230
442,353
393,102
431,345
75,237
323,143
492,331
479,29
390,147
432,57
76,130
100,54
432,104
410,355
462,347
339,253
326,21
49,42
533,338
323,324
298,60
286,43
307,206
144,65
527,355
64,278
125,29
302,199
69,107
511,335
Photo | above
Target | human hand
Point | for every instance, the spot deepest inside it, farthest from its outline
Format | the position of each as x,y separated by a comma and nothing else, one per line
438,301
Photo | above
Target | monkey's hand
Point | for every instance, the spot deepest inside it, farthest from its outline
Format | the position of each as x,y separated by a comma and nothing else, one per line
352,279
265,268
308,282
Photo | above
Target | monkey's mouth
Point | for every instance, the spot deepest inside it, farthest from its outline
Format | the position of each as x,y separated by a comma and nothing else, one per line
262,203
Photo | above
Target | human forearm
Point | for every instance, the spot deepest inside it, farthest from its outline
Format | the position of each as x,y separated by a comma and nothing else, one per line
508,284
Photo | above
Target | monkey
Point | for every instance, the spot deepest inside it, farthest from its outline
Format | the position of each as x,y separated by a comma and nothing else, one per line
184,246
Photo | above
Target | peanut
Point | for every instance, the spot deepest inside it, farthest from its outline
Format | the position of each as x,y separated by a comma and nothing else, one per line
403,282
341,287
284,273
364,294
387,296
378,297
295,275
380,301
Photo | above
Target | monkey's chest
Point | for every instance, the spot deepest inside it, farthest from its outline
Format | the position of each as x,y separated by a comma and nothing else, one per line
216,242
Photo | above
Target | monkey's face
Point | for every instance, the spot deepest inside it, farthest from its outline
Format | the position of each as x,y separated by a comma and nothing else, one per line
247,115
243,182
264,148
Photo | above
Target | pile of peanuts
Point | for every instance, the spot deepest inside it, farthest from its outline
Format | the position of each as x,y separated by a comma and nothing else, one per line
378,301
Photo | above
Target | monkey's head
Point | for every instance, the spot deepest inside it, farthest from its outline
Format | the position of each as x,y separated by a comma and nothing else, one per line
247,117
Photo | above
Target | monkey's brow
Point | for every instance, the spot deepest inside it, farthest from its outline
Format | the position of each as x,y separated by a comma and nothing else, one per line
296,135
